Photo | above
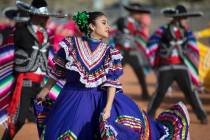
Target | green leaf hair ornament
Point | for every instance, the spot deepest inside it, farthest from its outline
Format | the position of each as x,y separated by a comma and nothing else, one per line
81,19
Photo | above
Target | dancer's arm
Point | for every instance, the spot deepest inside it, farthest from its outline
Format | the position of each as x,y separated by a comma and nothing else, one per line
43,93
110,99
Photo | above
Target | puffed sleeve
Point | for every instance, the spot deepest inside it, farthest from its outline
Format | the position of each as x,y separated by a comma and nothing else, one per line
115,69
58,71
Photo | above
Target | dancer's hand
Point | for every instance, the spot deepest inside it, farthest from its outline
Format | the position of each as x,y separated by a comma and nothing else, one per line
106,113
43,93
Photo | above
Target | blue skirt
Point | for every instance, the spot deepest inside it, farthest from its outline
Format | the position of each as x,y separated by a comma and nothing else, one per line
76,115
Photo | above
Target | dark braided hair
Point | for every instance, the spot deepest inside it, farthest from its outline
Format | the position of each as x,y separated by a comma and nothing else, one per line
84,19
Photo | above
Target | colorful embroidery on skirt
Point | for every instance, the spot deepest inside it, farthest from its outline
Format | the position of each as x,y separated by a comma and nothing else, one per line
146,132
43,133
107,131
42,109
68,135
130,122
176,122
176,119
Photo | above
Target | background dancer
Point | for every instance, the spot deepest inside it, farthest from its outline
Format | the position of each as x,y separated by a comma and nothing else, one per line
31,64
174,54
130,35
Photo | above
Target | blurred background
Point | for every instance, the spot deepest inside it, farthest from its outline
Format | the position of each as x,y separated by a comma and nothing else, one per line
113,8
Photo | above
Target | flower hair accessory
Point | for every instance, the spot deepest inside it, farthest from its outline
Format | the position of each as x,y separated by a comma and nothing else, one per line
81,19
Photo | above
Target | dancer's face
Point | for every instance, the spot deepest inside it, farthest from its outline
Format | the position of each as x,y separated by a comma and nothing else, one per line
141,17
10,22
100,29
184,23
